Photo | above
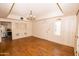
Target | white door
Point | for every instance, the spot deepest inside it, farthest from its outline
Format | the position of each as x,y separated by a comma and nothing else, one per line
76,47
78,42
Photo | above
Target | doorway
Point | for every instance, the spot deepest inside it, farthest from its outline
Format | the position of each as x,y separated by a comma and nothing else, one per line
5,37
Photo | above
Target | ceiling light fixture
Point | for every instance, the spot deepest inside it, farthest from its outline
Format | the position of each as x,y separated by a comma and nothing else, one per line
31,17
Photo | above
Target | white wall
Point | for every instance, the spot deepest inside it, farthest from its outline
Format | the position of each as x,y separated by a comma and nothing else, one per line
45,29
23,28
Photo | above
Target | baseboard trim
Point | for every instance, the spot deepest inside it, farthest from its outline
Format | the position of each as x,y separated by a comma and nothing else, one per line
53,42
22,37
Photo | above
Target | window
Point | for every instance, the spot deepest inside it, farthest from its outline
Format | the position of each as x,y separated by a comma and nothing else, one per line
57,27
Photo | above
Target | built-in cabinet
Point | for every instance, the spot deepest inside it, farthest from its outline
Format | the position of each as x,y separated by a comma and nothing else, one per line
19,30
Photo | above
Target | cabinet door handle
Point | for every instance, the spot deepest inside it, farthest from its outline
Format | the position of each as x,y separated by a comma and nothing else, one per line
76,36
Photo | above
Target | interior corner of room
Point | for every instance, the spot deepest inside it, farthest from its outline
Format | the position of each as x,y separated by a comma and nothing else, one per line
54,22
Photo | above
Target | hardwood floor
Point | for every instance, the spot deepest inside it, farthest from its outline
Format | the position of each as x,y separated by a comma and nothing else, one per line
32,46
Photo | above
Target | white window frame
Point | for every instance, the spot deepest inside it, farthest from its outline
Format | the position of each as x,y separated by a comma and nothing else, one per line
57,27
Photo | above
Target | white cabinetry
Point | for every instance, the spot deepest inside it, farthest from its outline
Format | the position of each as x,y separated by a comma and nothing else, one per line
19,30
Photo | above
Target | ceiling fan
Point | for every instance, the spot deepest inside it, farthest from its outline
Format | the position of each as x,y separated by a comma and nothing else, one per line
30,16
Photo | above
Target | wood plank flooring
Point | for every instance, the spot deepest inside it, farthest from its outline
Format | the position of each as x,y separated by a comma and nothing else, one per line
32,46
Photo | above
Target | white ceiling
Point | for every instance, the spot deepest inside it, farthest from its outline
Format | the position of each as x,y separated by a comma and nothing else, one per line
39,9
69,8
4,9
